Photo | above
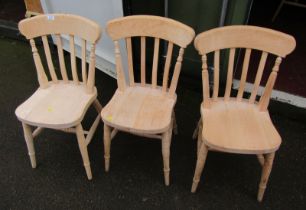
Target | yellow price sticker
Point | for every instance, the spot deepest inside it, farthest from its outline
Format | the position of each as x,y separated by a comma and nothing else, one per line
109,118
50,109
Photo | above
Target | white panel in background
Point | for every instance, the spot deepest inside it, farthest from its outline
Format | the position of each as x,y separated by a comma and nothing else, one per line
100,11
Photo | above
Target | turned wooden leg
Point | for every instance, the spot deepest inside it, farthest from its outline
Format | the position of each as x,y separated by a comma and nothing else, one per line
261,159
266,170
107,144
199,167
30,145
174,124
83,149
166,143
199,138
196,130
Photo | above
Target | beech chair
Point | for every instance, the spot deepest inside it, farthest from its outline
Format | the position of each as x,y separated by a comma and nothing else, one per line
145,108
61,103
235,124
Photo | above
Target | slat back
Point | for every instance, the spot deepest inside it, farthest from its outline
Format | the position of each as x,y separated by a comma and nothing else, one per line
249,38
57,25
145,27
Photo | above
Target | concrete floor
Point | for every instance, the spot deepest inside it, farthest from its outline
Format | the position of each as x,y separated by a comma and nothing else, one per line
135,180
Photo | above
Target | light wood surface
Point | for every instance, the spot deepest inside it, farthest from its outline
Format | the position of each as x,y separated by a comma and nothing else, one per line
245,129
61,103
59,106
150,26
41,25
139,109
236,124
145,108
274,42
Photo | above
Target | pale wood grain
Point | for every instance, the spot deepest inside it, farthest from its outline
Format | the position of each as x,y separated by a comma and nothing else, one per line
152,26
61,57
42,78
266,170
83,55
92,71
167,66
239,125
73,60
245,129
107,143
216,74
244,73
176,73
49,59
61,104
205,83
252,37
83,150
30,144
139,109
265,98
229,79
130,60
145,109
120,74
258,77
155,63
41,25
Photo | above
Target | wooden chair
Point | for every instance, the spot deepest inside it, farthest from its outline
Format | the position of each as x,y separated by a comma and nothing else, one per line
145,108
61,103
235,124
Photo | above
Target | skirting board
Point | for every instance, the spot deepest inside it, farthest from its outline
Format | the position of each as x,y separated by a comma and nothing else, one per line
276,94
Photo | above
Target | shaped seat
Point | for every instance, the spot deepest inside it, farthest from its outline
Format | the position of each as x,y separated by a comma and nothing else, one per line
142,107
139,109
248,130
61,103
239,124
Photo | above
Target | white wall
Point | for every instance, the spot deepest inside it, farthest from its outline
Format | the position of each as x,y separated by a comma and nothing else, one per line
100,11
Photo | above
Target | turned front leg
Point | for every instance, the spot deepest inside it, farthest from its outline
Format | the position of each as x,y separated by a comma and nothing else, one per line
107,145
266,170
202,154
166,143
30,145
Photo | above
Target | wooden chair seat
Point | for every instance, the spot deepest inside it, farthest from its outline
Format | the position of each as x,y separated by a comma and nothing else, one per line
248,130
139,109
233,122
61,105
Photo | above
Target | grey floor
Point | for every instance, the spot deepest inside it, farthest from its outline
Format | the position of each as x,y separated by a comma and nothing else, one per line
135,180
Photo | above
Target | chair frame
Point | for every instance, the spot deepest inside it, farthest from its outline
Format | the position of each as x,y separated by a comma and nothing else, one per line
159,28
72,25
250,38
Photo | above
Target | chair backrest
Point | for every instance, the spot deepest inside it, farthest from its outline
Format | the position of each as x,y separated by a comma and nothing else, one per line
62,24
160,28
249,38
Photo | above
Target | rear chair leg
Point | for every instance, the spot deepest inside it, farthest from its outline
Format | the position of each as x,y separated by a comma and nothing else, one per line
83,149
107,145
29,141
202,154
195,132
261,159
199,137
266,170
166,143
174,123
